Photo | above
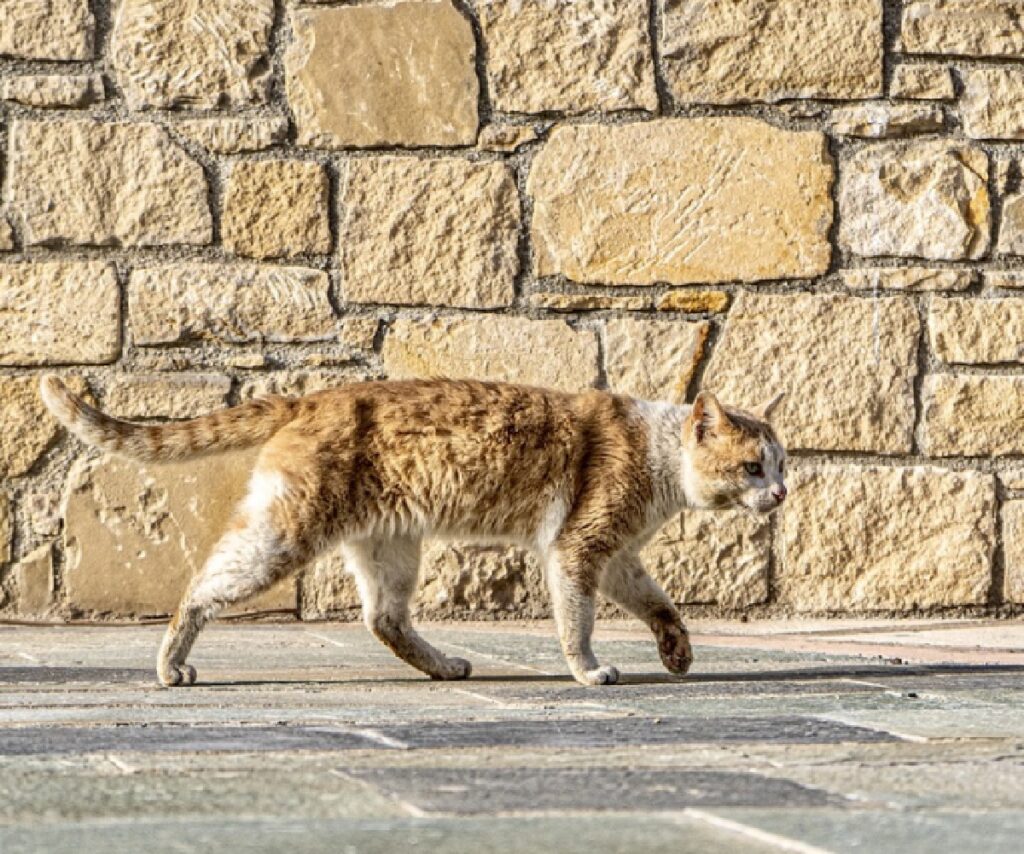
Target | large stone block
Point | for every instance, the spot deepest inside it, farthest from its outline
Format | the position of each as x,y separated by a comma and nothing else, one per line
861,538
276,208
681,201
653,359
134,533
193,53
925,199
549,55
768,50
396,74
977,331
924,82
1013,552
27,429
514,349
234,303
34,581
973,415
166,395
433,232
993,103
705,557
964,27
55,29
847,366
95,182
59,312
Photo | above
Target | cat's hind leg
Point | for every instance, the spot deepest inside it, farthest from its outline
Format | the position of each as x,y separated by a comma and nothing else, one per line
626,583
262,545
386,573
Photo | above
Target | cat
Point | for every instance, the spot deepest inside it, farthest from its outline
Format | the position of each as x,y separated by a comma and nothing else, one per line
584,480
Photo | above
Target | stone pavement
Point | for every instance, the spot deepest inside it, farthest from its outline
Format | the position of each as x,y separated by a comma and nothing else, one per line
805,737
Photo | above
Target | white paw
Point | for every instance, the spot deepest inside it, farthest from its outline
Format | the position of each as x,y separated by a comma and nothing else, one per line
604,675
181,675
455,668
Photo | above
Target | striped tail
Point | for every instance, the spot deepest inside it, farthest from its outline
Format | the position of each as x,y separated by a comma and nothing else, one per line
242,426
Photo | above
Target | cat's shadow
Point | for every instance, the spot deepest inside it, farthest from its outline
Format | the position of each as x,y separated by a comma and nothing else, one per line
804,674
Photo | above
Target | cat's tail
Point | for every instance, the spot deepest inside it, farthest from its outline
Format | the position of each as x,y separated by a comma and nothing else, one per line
251,423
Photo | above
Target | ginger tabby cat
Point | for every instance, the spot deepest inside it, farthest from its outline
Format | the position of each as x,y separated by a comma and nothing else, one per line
584,480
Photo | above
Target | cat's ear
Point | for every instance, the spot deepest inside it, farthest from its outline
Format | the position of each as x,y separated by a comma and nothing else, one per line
708,415
765,410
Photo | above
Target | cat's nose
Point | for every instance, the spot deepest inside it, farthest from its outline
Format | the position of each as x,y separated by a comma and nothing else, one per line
779,493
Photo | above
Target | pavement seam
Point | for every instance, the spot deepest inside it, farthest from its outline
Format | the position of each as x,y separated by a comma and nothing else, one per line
783,843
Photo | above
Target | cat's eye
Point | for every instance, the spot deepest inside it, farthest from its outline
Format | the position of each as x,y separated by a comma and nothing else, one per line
754,469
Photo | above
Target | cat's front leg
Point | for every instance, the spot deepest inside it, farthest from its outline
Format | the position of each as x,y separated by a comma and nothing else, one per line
626,583
572,580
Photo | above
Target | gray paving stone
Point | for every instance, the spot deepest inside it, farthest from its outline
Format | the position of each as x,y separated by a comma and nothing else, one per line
616,732
488,790
520,835
25,741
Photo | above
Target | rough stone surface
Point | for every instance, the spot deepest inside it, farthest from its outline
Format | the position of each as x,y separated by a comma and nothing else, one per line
587,302
6,528
693,301
712,557
193,53
924,199
232,303
52,90
1011,229
6,235
135,533
78,181
1013,551
570,57
59,312
441,232
876,121
163,396
768,50
977,331
33,578
56,29
861,538
993,103
227,135
923,82
507,138
681,200
973,415
914,279
847,366
27,429
965,27
399,74
1013,279
535,352
653,359
275,208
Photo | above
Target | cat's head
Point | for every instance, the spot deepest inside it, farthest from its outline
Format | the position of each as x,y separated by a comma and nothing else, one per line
734,457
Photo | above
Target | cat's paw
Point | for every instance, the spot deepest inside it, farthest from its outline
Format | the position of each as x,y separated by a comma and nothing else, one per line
455,668
173,676
674,648
604,675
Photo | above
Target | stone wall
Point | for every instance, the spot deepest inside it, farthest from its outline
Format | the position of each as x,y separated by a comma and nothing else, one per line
205,201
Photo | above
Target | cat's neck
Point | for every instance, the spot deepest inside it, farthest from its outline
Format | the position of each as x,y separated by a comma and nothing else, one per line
666,456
